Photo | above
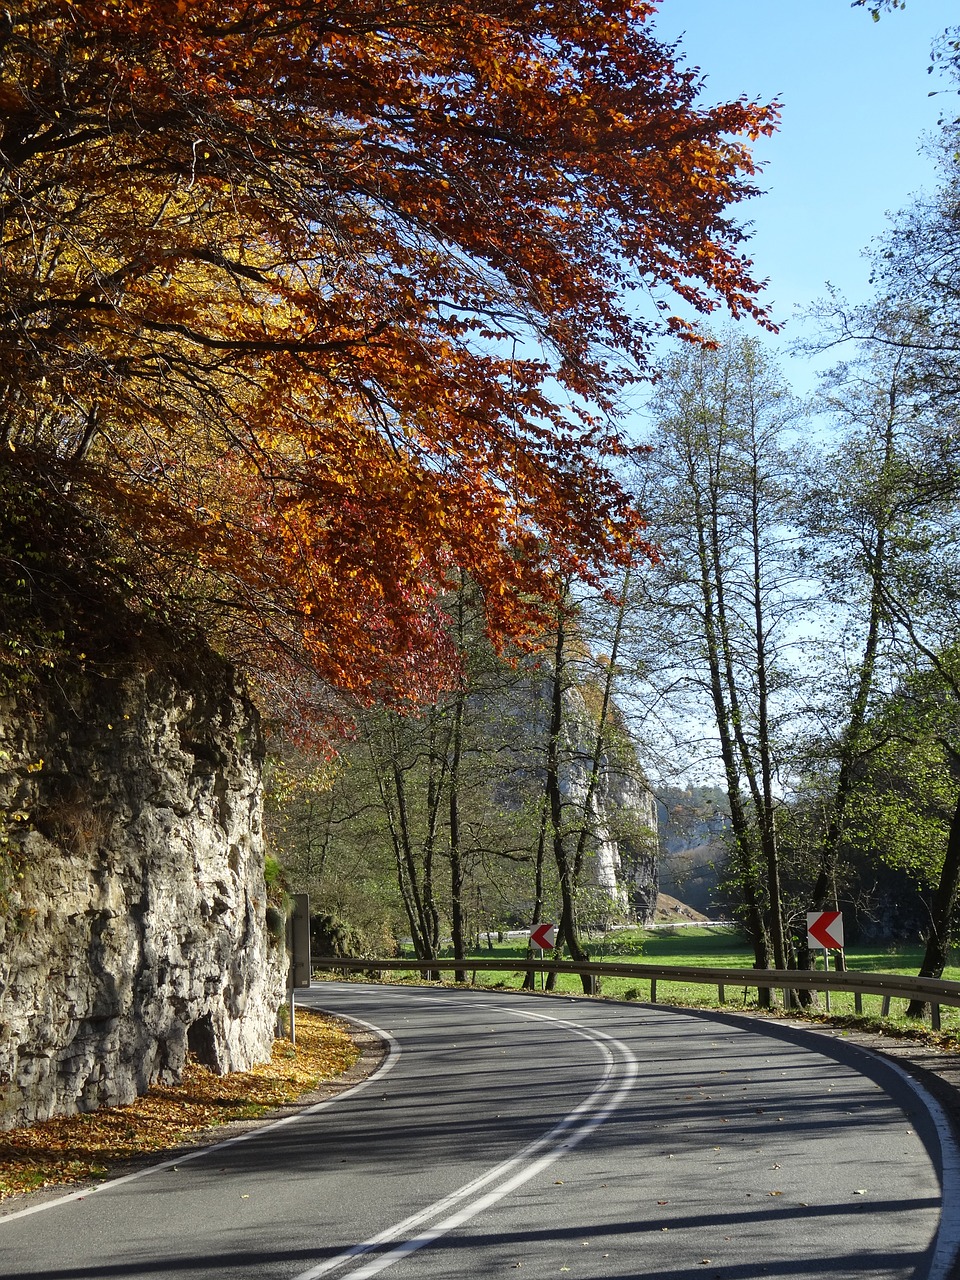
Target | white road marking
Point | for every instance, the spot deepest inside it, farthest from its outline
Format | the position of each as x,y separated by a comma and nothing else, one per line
946,1249
389,1062
571,1130
947,1245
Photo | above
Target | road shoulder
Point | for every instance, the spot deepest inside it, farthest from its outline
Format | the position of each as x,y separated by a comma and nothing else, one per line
373,1050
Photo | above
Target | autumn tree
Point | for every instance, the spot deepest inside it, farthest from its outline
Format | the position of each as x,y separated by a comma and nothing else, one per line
924,600
325,831
441,796
444,773
302,308
587,662
916,271
726,599
902,810
856,511
912,331
507,798
881,522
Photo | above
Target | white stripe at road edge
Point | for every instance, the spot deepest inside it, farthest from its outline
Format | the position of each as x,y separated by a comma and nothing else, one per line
560,1136
947,1244
389,1062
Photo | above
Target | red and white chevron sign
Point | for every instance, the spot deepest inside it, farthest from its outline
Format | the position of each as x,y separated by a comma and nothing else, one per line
543,936
825,929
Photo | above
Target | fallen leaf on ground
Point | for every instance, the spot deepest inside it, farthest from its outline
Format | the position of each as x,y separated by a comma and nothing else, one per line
73,1148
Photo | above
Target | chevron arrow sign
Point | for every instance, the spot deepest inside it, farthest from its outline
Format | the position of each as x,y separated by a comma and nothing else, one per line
543,936
825,929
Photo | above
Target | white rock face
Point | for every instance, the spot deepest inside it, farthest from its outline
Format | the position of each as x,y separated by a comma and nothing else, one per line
132,907
623,848
624,814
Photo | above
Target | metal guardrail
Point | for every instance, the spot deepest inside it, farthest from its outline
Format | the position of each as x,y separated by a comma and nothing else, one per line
889,986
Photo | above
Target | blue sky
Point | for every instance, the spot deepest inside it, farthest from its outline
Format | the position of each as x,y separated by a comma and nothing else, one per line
856,104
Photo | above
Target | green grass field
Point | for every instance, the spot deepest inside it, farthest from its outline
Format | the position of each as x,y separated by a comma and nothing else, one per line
714,948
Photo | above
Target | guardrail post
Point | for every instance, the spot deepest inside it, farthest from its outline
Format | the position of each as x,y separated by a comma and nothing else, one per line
721,994
935,1017
885,1007
857,1002
653,991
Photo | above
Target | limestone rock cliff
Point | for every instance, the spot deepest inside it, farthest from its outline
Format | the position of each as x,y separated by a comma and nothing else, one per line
132,905
622,860
624,811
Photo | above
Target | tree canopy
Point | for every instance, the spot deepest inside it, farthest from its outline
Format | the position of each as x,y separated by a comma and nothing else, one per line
303,305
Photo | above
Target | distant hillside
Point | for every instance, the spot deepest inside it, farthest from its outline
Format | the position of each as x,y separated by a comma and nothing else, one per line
692,822
671,911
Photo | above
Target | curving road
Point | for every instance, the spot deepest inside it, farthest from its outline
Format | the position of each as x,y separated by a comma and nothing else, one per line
552,1137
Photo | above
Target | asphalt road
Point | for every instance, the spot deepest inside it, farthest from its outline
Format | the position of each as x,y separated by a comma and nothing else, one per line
553,1137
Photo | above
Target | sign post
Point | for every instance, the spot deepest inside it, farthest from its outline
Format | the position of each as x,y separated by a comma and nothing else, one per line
825,930
298,951
543,936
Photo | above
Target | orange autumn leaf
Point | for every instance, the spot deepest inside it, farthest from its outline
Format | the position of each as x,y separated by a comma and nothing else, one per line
305,308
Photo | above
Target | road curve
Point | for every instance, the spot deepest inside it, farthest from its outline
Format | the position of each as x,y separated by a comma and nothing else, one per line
553,1137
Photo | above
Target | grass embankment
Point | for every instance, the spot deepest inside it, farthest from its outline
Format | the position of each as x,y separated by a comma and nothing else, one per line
74,1148
718,948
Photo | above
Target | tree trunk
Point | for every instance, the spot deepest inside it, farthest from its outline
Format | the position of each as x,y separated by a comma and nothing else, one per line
565,870
850,743
600,740
407,887
941,914
726,719
530,979
456,851
767,815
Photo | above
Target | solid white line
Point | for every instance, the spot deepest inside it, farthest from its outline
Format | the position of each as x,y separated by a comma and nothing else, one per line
946,1248
947,1245
521,1167
393,1053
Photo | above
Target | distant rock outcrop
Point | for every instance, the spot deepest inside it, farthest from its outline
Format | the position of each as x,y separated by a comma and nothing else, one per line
624,812
622,850
694,822
132,908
